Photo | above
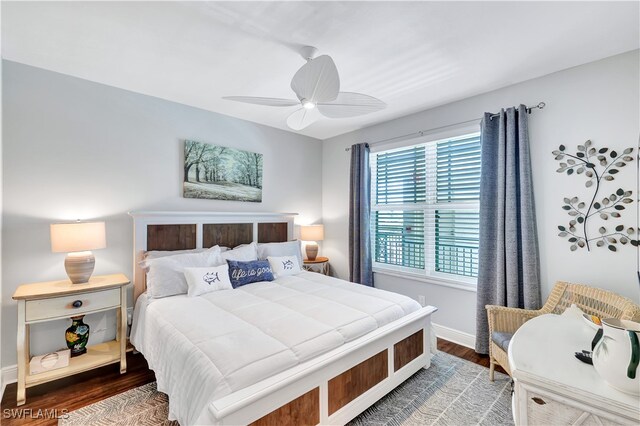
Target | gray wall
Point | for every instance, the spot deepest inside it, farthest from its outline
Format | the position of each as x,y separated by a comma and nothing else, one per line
598,101
77,149
2,384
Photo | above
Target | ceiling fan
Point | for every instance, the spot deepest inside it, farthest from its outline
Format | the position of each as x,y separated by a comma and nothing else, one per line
317,87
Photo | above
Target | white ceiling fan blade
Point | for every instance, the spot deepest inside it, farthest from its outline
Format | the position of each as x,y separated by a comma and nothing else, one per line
302,118
317,80
277,102
349,104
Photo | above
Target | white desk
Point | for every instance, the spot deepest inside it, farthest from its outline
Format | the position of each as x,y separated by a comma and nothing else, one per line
552,387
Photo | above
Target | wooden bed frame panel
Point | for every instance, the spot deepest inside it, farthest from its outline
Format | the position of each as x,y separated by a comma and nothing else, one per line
349,385
272,232
332,388
407,350
171,237
304,410
227,234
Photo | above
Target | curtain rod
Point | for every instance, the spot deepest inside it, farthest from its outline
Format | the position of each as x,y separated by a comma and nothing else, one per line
420,133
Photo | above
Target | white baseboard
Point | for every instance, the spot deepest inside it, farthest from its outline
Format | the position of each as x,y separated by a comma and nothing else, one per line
8,375
455,336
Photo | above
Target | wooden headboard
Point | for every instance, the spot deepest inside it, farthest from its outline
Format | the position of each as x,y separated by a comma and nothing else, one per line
168,231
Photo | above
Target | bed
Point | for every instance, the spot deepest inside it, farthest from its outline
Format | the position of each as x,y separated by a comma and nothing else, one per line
303,349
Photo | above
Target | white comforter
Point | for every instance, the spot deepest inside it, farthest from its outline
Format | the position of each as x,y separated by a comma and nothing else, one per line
206,347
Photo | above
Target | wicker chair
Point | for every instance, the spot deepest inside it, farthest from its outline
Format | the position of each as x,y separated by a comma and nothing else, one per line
503,322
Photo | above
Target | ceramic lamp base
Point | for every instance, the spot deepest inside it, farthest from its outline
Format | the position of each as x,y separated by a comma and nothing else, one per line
79,266
312,251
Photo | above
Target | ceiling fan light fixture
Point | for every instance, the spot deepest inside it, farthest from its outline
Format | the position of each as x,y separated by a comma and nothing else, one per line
308,104
317,88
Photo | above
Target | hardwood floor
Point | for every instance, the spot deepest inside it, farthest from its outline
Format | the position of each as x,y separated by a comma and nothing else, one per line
46,401
466,353
73,392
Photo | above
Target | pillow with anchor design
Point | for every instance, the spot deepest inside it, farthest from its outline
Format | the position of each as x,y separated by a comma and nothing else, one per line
206,280
284,265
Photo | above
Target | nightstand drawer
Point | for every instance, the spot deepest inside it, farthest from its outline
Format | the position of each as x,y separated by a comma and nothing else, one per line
64,306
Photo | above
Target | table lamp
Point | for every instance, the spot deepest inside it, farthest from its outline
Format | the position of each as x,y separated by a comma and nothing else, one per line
77,239
312,233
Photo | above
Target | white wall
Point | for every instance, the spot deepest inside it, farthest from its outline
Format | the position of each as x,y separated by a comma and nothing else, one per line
597,101
76,149
2,383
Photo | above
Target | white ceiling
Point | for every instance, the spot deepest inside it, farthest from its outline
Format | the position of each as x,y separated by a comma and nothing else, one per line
412,55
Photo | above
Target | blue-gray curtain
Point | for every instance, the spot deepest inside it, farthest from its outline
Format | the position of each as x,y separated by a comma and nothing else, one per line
508,262
360,264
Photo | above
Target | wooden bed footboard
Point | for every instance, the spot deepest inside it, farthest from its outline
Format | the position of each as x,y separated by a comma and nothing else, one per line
337,386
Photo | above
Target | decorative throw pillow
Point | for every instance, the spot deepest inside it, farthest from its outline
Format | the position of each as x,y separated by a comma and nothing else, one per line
206,280
166,274
284,265
242,273
244,253
289,248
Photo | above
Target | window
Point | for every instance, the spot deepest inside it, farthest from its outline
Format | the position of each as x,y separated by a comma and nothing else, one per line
425,208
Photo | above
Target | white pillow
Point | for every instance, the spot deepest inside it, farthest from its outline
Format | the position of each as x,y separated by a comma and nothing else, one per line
166,274
284,265
244,253
290,248
157,254
206,280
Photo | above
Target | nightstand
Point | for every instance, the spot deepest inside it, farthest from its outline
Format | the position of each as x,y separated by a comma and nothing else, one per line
54,300
320,265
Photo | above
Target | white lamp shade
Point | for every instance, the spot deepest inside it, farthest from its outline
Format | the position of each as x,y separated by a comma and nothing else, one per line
79,236
312,233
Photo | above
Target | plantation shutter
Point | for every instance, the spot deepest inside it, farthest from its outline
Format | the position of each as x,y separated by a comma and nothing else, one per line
401,176
425,206
458,170
400,179
456,242
454,215
399,238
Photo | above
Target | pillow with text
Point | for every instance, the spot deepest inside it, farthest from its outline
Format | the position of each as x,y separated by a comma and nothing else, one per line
243,273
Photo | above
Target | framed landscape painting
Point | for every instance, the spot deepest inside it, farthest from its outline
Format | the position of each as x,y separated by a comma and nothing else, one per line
221,173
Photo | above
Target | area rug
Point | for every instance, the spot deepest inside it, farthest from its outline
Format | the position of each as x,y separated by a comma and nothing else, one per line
451,392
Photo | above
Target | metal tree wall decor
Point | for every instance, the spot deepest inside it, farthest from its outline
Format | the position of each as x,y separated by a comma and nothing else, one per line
598,166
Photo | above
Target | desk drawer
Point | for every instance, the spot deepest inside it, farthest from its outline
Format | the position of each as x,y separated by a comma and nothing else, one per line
63,306
543,410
